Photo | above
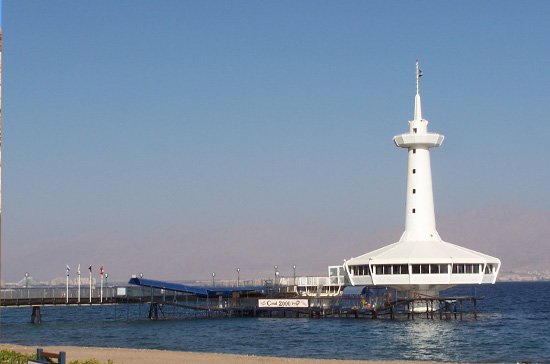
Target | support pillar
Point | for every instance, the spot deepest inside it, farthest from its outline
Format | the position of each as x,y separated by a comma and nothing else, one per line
36,316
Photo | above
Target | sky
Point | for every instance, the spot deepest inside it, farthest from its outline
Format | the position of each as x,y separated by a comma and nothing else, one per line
181,138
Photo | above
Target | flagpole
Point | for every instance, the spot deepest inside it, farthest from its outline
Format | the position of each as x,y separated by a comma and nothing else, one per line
78,272
90,284
67,287
101,285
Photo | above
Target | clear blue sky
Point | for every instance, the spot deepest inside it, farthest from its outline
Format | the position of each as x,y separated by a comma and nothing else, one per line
184,137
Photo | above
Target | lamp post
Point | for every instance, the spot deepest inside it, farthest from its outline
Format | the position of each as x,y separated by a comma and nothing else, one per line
101,273
213,281
27,283
238,276
78,279
140,277
294,268
106,284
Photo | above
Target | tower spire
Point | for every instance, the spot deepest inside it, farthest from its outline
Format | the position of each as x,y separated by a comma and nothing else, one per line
417,104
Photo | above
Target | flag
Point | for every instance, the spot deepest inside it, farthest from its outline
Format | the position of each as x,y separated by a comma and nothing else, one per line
101,270
78,270
90,268
68,270
419,72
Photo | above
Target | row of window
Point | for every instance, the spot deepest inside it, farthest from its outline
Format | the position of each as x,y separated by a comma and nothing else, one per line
414,172
465,268
414,189
430,268
387,269
359,270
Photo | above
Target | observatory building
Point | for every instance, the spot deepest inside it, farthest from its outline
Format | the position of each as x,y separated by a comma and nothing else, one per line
421,262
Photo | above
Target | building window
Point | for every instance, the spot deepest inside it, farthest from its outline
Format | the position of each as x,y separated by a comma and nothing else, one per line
444,268
458,268
400,269
414,151
466,268
360,270
414,211
379,269
424,269
414,190
414,130
414,170
434,268
415,268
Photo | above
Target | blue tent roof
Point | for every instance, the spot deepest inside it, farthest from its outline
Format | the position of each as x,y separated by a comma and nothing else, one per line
354,290
199,291
196,290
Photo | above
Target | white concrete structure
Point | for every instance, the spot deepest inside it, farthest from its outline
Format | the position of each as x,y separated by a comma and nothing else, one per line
420,262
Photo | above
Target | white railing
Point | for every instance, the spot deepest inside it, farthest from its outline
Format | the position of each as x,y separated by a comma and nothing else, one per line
57,292
280,281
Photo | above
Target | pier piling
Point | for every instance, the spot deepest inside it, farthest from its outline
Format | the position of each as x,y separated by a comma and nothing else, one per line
36,316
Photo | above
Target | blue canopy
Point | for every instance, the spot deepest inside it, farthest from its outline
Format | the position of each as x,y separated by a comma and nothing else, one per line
196,290
354,291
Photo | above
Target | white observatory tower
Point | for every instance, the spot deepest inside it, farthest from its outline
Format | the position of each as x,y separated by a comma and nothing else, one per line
420,216
420,262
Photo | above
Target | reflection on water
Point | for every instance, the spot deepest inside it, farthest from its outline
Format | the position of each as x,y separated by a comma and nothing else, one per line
512,326
425,338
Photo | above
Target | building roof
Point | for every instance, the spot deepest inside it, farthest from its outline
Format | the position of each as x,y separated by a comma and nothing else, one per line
409,252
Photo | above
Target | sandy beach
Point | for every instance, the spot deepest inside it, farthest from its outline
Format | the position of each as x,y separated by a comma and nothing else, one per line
143,356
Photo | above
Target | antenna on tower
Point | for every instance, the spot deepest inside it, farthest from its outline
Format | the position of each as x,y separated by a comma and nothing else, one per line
418,75
417,103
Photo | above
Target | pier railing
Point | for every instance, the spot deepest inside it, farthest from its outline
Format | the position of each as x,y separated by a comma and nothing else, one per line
41,295
56,295
312,281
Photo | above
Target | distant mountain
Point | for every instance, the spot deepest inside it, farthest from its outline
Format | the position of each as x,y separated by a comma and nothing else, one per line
520,237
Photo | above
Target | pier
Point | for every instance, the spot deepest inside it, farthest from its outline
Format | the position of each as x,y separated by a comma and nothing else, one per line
163,299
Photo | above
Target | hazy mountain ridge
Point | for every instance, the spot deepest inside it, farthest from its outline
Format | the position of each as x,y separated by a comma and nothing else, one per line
518,236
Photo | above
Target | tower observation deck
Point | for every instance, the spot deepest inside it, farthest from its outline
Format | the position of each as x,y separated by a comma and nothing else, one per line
421,261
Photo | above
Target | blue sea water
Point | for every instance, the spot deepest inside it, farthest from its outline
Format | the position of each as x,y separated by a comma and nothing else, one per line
513,326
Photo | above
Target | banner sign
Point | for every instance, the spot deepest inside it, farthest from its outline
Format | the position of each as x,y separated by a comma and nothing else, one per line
289,303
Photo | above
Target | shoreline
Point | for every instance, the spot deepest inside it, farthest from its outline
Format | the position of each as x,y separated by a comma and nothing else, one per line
153,356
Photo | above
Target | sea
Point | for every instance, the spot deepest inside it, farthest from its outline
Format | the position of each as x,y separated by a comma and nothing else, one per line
513,326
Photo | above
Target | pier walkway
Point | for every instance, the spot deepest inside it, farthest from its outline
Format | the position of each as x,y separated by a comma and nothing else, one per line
261,301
